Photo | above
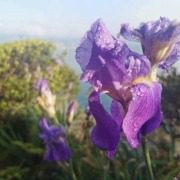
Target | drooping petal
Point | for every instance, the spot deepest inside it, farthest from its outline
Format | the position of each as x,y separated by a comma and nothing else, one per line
152,123
58,151
143,107
106,133
53,137
117,112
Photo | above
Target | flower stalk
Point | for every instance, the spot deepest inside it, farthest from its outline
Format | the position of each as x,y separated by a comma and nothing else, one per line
72,170
147,158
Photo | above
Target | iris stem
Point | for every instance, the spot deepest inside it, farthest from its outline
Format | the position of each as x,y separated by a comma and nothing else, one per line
173,147
106,169
72,170
56,121
173,143
147,158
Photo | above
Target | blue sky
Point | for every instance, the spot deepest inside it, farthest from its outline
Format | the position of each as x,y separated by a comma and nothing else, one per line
71,18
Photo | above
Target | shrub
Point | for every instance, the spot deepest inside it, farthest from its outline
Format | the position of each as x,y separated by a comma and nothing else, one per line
21,64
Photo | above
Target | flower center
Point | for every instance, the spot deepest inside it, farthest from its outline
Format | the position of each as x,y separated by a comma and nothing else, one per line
148,79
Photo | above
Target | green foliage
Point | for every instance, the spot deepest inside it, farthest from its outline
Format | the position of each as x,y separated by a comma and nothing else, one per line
21,157
21,64
171,109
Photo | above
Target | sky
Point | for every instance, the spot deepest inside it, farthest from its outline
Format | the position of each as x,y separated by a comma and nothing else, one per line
72,18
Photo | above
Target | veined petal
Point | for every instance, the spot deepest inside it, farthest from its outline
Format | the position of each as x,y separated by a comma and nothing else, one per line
117,75
97,49
93,47
159,39
152,123
143,107
106,133
172,58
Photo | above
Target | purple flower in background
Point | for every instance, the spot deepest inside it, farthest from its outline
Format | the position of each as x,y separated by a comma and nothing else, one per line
42,86
128,77
46,99
160,40
53,137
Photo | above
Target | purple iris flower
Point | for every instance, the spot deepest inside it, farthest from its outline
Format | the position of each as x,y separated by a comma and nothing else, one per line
160,40
53,137
128,77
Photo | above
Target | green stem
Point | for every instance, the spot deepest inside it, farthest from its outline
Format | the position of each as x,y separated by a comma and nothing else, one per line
147,158
56,121
106,169
72,170
173,145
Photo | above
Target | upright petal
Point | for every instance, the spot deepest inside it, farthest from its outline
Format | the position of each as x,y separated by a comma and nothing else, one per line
137,65
160,40
130,34
172,58
94,46
117,75
106,133
143,110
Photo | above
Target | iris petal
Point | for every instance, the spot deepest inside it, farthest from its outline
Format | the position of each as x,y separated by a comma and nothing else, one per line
142,108
152,123
58,151
117,112
53,136
106,133
95,43
160,40
115,77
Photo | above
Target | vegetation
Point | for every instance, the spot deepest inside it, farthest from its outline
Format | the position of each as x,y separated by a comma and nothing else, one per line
21,158
22,63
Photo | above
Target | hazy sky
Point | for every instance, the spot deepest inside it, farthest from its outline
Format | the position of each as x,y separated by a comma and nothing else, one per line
71,18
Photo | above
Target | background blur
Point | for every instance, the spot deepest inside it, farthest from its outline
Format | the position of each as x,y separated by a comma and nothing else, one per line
38,40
